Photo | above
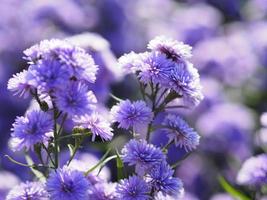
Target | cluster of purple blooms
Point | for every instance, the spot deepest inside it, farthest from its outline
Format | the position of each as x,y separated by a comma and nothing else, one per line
58,78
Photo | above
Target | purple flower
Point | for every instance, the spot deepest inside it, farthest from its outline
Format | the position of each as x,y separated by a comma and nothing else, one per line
98,125
36,127
28,190
180,132
75,99
184,80
161,196
49,75
141,154
130,114
171,48
75,59
156,68
253,171
67,184
132,62
21,83
102,191
161,178
133,188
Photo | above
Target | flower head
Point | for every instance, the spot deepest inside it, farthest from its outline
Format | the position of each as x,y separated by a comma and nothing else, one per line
75,99
49,74
21,83
98,125
157,68
162,180
76,60
184,80
132,62
130,114
36,127
253,171
173,49
141,154
67,184
133,188
180,132
102,191
28,190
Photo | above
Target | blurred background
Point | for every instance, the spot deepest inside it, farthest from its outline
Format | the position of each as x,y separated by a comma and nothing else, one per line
229,39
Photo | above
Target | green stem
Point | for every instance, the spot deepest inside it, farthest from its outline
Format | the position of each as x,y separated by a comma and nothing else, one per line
48,155
99,163
179,161
167,145
56,144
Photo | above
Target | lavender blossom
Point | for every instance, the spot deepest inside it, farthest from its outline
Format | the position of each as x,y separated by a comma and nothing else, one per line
133,188
36,127
21,83
141,154
67,184
75,59
75,99
132,62
97,124
156,68
253,171
173,49
102,191
130,114
180,132
28,190
49,75
184,80
161,178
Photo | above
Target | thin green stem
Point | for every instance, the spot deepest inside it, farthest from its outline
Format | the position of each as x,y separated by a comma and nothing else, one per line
178,162
48,155
56,144
99,163
167,145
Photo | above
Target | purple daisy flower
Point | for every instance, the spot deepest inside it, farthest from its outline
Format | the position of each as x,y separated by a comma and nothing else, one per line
36,127
49,75
141,154
132,62
180,132
173,49
161,178
21,83
156,68
75,99
184,80
75,59
98,125
67,184
133,188
28,190
129,114
102,191
253,171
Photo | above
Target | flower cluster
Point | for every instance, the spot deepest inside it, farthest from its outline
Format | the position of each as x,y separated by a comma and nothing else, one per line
154,173
166,65
58,78
61,71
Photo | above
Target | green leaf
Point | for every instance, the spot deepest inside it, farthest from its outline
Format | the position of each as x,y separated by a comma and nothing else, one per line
231,190
120,166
